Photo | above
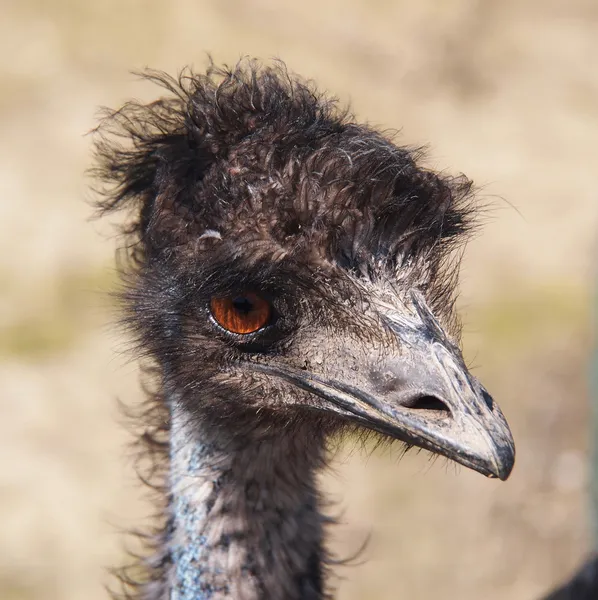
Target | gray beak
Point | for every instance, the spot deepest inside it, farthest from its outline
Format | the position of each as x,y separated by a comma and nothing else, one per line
424,396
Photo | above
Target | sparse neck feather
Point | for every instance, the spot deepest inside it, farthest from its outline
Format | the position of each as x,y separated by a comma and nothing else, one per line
245,516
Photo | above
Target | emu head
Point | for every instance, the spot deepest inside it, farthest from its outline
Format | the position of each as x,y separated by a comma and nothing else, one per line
291,265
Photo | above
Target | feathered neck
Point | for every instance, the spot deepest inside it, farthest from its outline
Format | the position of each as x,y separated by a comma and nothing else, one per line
244,515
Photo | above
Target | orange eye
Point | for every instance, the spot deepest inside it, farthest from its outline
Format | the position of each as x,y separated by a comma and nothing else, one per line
242,314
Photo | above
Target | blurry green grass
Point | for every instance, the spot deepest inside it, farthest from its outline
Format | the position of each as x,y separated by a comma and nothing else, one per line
522,319
12,590
61,314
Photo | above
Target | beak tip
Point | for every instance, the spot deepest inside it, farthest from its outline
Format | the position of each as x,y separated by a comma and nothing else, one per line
503,463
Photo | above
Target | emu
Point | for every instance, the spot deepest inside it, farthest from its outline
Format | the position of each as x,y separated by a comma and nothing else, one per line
291,279
583,585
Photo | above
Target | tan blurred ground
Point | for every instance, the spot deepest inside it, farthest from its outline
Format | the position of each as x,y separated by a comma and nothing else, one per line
506,92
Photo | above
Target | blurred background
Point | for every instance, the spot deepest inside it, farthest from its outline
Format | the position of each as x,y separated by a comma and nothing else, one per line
506,92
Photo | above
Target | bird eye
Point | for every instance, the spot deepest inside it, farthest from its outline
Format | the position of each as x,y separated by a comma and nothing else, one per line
244,313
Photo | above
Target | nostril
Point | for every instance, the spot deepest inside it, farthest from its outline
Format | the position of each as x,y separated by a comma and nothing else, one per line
488,399
430,403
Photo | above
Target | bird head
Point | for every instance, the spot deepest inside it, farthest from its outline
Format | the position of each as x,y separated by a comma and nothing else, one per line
290,265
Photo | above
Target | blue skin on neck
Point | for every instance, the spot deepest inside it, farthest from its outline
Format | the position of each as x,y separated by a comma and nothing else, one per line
189,552
199,472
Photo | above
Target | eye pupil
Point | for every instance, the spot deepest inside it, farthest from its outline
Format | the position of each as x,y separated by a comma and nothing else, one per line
243,305
241,314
